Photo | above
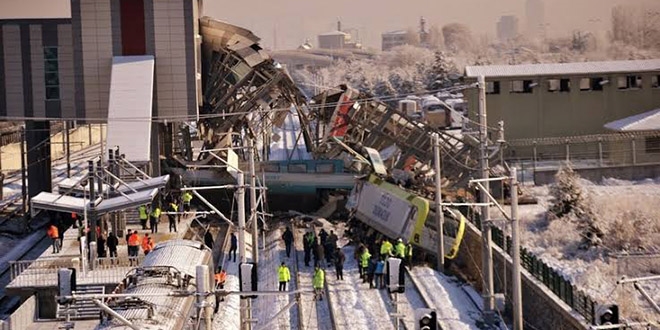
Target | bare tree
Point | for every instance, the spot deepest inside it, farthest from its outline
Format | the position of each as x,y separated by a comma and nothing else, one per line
638,26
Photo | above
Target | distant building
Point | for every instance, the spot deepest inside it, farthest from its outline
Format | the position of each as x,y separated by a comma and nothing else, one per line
394,39
337,40
507,28
535,18
541,101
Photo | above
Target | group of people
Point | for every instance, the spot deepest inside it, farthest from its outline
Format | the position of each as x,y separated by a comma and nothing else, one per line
372,267
151,213
134,242
322,248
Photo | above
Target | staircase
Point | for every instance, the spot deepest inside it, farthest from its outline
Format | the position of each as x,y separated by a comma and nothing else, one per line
82,309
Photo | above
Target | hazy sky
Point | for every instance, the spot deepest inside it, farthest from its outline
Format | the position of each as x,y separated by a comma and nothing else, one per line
292,21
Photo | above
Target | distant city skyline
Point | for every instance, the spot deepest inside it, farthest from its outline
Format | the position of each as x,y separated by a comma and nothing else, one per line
291,22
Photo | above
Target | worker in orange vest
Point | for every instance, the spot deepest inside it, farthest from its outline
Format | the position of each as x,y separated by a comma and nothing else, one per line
54,234
220,278
133,246
147,244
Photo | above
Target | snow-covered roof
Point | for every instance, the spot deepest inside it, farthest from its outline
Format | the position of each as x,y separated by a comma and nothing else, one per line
333,33
396,32
647,121
554,69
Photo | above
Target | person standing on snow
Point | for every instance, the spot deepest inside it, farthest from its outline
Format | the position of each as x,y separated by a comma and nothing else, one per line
379,282
288,241
340,257
318,281
234,246
385,249
284,276
364,264
400,249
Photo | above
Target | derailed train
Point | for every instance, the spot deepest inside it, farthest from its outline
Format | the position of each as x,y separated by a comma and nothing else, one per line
169,268
397,213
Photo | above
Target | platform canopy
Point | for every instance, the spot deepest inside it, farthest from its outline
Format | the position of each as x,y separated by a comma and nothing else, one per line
72,186
647,121
68,204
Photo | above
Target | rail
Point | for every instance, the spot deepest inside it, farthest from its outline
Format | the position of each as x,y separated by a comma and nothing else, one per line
563,288
422,293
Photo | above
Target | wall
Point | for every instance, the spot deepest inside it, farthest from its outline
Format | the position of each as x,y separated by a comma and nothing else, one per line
628,172
541,309
22,68
24,316
545,114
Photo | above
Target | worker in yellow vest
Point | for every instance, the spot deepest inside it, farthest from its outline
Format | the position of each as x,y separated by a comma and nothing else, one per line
186,197
142,210
172,217
155,218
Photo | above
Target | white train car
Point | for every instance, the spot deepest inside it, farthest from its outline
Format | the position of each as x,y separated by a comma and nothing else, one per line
170,267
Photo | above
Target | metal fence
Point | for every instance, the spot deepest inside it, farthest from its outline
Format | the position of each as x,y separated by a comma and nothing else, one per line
551,278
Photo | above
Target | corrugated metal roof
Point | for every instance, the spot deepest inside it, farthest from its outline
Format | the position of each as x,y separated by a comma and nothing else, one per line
558,69
647,121
130,106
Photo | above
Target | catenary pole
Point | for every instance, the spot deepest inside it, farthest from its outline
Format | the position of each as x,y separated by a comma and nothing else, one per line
253,204
486,251
515,253
439,215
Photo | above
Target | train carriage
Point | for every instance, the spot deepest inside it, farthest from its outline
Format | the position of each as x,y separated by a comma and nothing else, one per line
396,213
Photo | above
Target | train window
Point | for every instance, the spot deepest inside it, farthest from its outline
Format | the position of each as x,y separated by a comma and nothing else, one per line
449,227
325,168
271,168
297,168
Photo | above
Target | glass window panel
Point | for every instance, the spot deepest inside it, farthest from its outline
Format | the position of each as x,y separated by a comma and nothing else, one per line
325,168
52,79
51,66
52,93
297,168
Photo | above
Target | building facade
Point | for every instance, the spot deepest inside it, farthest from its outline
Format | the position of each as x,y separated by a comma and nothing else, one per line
535,18
394,39
566,99
507,28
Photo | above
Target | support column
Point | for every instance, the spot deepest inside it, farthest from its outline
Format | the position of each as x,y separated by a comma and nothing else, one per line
253,204
37,138
515,253
439,215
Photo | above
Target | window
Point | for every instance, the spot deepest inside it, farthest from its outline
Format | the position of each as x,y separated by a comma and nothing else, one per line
585,84
655,81
325,168
653,145
133,37
51,73
492,87
271,168
553,85
597,84
522,86
565,85
297,168
629,82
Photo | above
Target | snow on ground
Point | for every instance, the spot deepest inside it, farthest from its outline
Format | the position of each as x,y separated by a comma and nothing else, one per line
315,314
266,307
455,307
594,271
354,304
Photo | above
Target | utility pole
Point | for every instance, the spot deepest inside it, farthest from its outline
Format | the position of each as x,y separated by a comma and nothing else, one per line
439,215
240,196
515,253
23,170
253,204
67,149
486,251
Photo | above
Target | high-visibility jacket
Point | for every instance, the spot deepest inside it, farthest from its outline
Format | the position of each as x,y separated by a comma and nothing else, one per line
364,258
400,250
53,232
409,250
319,278
386,248
220,277
134,240
187,197
143,212
147,244
284,274
174,207
156,212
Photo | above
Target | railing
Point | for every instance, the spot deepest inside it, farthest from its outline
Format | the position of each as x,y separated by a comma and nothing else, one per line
577,299
43,271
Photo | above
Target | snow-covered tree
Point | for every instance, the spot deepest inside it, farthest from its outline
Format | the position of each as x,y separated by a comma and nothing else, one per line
571,202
